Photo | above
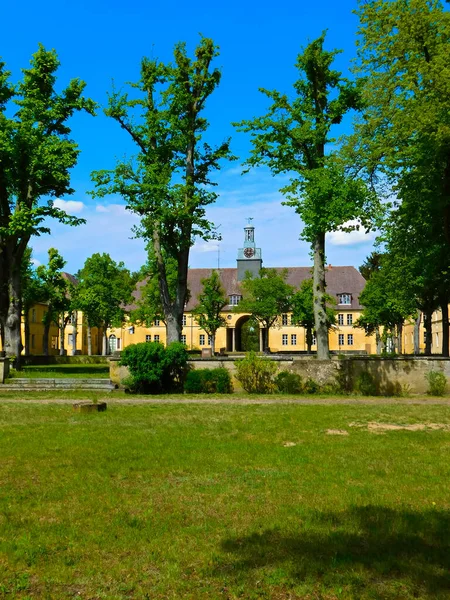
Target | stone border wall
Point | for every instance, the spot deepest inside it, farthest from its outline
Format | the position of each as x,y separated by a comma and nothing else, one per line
392,376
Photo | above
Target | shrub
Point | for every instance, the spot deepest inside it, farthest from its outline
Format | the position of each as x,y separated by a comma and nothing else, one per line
437,383
289,383
365,384
311,386
256,374
208,381
155,369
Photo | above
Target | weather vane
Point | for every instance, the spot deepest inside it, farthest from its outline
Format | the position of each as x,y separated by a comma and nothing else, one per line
249,220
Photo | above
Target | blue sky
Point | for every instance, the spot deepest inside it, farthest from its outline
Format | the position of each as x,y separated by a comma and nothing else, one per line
259,42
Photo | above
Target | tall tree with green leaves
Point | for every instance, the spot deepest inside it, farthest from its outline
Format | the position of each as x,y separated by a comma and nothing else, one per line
36,157
302,310
55,289
211,302
104,289
295,137
168,184
266,298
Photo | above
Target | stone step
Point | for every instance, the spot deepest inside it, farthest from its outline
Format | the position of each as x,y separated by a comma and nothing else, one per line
25,383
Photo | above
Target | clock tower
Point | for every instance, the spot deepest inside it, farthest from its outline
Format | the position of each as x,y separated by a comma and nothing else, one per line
249,257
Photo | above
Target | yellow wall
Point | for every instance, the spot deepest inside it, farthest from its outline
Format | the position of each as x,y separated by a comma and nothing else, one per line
130,334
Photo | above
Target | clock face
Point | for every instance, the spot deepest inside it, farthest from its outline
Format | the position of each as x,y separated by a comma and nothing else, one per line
248,252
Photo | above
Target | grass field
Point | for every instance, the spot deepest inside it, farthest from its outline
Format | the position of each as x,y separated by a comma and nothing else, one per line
82,371
204,501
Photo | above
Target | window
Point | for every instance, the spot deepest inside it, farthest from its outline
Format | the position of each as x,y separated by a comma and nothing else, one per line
314,340
148,338
424,337
294,339
209,340
284,319
284,339
235,299
349,319
131,330
54,342
118,343
156,338
202,339
350,339
344,299
340,319
73,319
156,322
33,315
341,339
70,339
183,339
32,340
183,321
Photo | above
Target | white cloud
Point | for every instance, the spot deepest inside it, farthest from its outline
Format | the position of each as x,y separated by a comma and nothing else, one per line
35,262
352,238
100,208
203,247
71,207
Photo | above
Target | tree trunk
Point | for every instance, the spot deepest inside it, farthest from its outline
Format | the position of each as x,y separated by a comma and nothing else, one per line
12,333
74,333
104,343
266,340
62,330
89,339
400,338
26,328
320,315
427,324
45,338
309,339
379,341
417,334
445,324
213,344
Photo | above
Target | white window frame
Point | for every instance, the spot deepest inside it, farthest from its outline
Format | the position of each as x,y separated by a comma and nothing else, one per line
349,319
350,340
209,340
293,339
344,299
340,318
201,339
314,340
156,338
284,320
156,322
184,321
183,339
285,339
341,339
148,337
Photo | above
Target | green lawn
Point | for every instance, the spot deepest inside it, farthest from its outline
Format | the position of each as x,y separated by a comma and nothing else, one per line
82,371
204,502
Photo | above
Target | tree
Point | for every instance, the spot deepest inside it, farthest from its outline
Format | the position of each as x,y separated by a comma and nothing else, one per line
293,138
168,184
303,310
371,264
36,156
104,288
55,293
266,298
212,300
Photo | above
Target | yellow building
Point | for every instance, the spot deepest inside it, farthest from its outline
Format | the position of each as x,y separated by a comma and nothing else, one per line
343,283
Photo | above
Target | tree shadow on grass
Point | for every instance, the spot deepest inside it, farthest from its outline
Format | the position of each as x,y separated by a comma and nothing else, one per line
380,544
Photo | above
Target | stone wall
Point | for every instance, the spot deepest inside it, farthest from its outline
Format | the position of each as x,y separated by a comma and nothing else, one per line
392,376
4,369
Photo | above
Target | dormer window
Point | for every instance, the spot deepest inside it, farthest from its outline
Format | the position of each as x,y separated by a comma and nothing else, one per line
235,299
344,299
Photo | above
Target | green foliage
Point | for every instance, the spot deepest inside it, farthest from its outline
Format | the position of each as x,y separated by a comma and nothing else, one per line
37,155
266,297
155,369
250,336
208,381
256,374
365,384
211,300
289,383
168,184
311,386
104,287
55,288
437,383
303,310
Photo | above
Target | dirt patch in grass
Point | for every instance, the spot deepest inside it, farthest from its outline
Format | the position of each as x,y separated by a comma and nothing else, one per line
383,427
336,432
